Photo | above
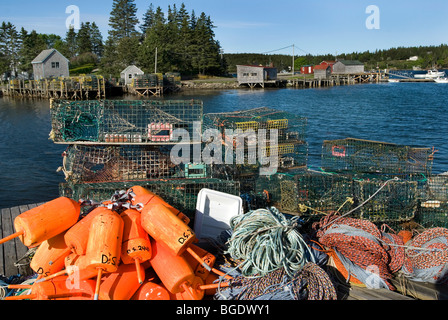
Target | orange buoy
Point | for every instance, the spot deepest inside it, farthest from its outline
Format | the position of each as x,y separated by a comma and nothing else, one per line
57,289
119,285
202,270
405,235
173,270
104,244
211,278
136,246
76,237
151,291
50,256
45,221
145,197
76,267
165,227
192,291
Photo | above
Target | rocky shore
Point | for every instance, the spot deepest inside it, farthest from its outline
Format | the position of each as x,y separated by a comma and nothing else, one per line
210,84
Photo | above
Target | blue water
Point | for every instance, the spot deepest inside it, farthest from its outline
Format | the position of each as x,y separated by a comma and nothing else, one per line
403,113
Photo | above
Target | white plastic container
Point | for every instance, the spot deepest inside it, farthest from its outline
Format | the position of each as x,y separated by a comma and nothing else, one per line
214,210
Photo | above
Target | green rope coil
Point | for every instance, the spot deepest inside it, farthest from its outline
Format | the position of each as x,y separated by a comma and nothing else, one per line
265,240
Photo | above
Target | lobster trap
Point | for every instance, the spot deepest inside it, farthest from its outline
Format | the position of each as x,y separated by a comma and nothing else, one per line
253,138
320,193
433,205
432,214
364,156
103,163
386,201
290,127
180,193
126,122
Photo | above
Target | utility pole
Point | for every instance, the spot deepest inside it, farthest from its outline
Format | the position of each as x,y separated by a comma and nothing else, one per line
155,63
293,60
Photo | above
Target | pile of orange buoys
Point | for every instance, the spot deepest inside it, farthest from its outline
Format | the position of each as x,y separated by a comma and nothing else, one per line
140,248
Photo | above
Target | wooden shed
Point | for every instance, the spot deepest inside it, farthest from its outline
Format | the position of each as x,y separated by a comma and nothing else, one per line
348,67
322,71
130,73
50,63
308,69
256,75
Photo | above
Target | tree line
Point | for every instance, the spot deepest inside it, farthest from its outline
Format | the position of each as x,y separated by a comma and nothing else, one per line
175,41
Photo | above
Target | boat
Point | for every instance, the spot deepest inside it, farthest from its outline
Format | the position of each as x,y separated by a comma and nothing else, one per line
394,80
441,80
431,74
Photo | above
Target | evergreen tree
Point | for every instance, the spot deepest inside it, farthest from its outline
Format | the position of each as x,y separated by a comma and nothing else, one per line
96,40
183,42
83,39
32,45
71,43
148,19
123,19
10,44
123,40
155,38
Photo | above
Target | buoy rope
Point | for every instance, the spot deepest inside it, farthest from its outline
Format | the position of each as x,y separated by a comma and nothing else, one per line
361,246
310,283
265,240
427,256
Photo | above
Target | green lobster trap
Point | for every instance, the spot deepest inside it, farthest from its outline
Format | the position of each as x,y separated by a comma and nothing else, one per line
104,163
125,121
320,193
290,127
180,193
386,201
433,204
364,156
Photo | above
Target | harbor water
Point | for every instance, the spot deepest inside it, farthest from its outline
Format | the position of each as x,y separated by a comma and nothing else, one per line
403,113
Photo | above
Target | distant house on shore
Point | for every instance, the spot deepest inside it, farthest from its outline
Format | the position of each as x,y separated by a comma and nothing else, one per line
50,63
130,73
256,75
328,63
348,67
322,71
308,69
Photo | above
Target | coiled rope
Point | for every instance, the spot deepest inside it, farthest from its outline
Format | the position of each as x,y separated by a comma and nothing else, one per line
427,256
370,254
264,240
310,283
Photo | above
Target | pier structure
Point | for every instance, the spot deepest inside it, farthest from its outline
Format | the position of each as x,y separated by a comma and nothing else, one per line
81,87
155,84
336,80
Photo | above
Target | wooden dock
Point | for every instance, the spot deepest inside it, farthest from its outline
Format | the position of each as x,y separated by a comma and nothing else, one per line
14,261
12,253
70,88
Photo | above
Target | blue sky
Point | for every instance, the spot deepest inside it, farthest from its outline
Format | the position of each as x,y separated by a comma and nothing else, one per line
259,26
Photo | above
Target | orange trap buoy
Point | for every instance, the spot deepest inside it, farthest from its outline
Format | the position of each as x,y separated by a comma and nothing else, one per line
45,221
104,245
145,197
136,247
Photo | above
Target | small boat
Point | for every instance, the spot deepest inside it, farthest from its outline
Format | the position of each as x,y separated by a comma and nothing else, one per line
394,80
431,74
441,80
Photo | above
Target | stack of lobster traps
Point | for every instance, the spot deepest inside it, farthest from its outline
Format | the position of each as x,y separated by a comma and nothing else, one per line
381,182
114,144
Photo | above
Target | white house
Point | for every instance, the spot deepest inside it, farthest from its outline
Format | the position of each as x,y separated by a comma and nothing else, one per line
50,63
130,73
